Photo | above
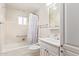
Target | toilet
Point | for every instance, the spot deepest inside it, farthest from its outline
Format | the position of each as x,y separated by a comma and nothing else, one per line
34,50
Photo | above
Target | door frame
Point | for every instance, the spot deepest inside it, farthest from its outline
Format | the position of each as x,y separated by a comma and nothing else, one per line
62,27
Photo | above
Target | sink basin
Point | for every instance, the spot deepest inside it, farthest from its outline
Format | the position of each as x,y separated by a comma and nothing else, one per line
51,41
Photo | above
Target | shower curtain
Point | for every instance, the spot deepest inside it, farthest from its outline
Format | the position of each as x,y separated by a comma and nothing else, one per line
32,29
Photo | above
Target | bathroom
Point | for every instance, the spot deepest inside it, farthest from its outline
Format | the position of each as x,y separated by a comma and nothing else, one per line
38,29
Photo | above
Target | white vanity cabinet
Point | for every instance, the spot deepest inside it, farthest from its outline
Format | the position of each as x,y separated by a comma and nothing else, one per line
48,49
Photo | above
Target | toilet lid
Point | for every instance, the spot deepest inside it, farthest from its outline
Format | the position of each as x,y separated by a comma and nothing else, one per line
34,47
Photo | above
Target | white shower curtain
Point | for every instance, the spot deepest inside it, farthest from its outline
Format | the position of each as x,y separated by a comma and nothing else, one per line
32,29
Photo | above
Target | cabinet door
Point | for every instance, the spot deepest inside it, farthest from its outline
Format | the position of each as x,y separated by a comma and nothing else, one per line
43,52
46,52
71,29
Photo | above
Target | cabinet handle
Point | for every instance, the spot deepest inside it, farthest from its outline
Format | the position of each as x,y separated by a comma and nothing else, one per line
47,51
61,51
61,45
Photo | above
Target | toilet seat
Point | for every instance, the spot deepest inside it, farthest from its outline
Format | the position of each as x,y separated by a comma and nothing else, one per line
34,47
34,50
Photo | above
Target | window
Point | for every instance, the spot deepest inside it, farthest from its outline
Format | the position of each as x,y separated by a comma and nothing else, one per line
22,20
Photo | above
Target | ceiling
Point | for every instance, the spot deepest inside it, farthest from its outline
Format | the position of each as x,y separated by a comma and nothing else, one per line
26,6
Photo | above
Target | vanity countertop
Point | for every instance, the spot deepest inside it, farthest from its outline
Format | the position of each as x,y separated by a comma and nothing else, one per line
51,41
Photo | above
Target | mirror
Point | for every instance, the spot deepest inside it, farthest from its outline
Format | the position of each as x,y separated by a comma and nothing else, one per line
54,16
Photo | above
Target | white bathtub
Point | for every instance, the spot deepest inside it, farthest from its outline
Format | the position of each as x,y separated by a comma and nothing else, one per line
20,51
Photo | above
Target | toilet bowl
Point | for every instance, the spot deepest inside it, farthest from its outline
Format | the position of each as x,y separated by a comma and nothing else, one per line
34,49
